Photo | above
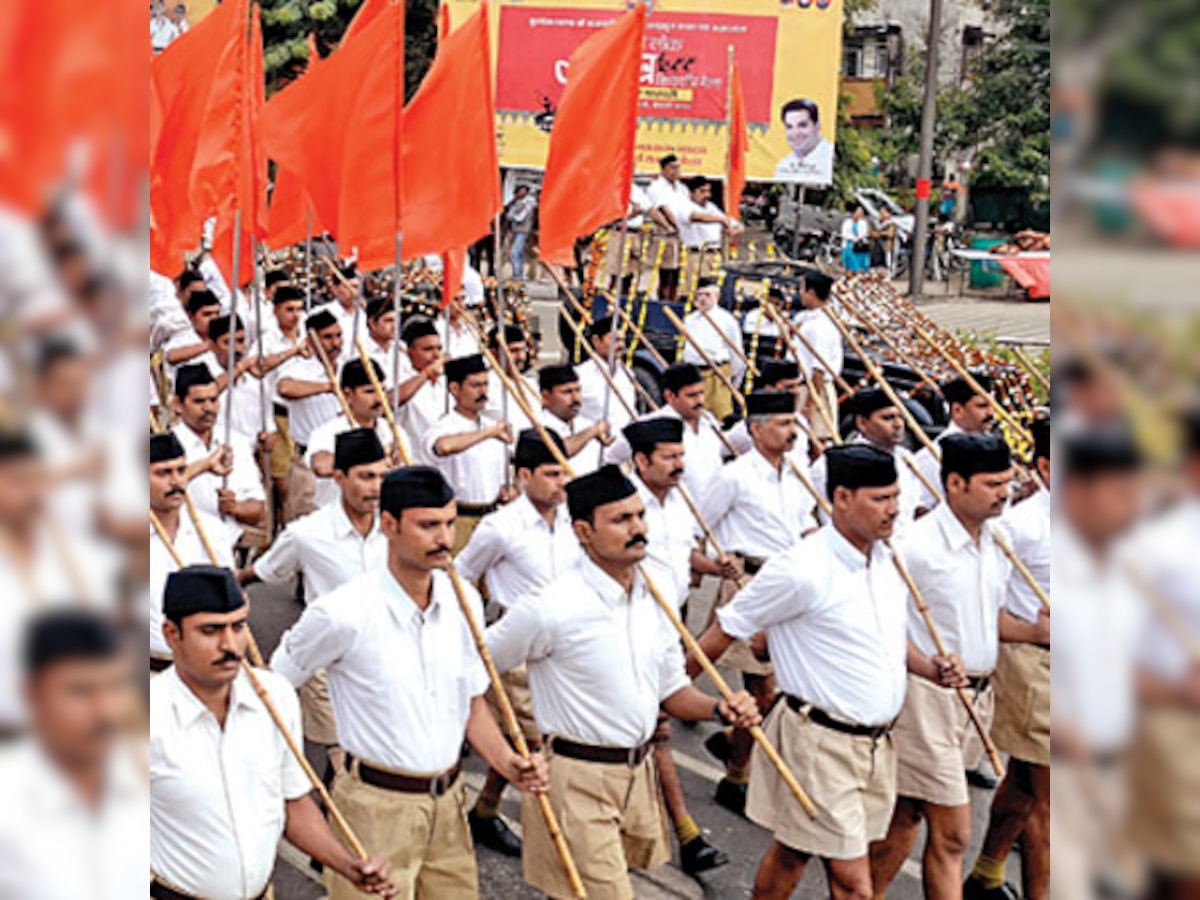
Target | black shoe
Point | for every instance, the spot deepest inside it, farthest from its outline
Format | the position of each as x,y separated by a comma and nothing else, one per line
493,832
717,744
731,796
698,855
985,781
973,889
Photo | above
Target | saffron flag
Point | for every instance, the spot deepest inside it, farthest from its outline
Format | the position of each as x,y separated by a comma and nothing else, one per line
589,172
291,213
454,263
739,142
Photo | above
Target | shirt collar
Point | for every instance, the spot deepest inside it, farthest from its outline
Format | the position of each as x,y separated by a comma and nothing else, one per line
189,708
189,438
404,607
343,527
954,533
54,792
605,587
847,554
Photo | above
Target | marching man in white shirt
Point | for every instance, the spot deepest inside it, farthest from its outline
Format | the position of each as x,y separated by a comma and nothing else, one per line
826,340
469,448
518,549
668,195
776,375
602,660
407,686
366,410
224,787
970,413
601,334
422,390
1021,806
562,400
168,485
702,229
327,548
758,509
304,382
833,608
963,576
707,330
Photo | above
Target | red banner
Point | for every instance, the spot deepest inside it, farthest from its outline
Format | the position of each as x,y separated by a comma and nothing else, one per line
684,62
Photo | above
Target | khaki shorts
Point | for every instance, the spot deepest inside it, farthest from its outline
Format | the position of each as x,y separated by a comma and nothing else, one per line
319,726
717,398
426,839
937,744
816,421
613,820
613,255
1022,725
301,492
1165,772
739,656
668,246
703,262
516,685
281,456
851,780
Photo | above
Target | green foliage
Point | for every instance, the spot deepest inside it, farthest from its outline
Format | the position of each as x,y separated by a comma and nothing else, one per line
852,166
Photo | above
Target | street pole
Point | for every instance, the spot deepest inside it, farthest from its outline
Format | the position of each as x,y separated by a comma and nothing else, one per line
916,266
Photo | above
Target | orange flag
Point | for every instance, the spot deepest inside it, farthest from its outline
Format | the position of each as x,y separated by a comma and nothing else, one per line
367,13
307,125
739,141
452,180
291,210
590,169
454,263
183,78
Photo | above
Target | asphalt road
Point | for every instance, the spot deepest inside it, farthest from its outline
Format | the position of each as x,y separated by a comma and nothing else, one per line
274,609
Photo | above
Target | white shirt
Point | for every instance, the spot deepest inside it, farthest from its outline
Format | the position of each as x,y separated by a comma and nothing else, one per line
931,467
191,550
1168,560
253,410
672,536
382,356
672,197
1027,528
245,480
1100,622
323,547
515,415
600,661
422,412
696,234
324,440
188,338
517,552
56,846
459,342
709,338
835,623
305,415
594,386
855,231
825,338
586,460
276,342
346,318
401,680
217,794
815,168
755,510
638,199
703,452
964,585
478,473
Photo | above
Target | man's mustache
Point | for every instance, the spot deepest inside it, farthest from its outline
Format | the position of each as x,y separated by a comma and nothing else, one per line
677,473
635,541
439,550
230,657
175,492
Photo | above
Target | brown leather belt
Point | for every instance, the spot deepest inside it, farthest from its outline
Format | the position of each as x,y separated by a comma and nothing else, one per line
161,891
609,756
819,717
434,786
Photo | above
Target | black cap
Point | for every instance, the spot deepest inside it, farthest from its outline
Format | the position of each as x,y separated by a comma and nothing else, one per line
320,320
276,276
647,434
819,283
190,376
707,282
532,451
287,293
165,446
354,374
415,329
1093,451
357,447
600,327
605,485
870,400
857,466
71,634
770,403
414,487
16,444
1041,438
460,369
199,300
513,334
972,454
958,390
380,306
219,327
187,278
201,589
773,371
550,377
676,378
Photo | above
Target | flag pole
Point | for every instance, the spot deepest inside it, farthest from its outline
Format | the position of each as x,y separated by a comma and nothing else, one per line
502,339
230,361
264,458
727,240
308,266
396,336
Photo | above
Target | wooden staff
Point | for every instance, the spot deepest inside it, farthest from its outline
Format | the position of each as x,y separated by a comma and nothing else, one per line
674,319
689,641
748,381
332,376
738,351
369,365
816,354
1029,367
818,397
513,727
891,345
923,608
319,786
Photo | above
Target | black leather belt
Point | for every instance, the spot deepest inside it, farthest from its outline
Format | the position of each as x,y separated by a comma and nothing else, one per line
979,683
434,786
752,564
820,717
477,510
609,756
160,891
